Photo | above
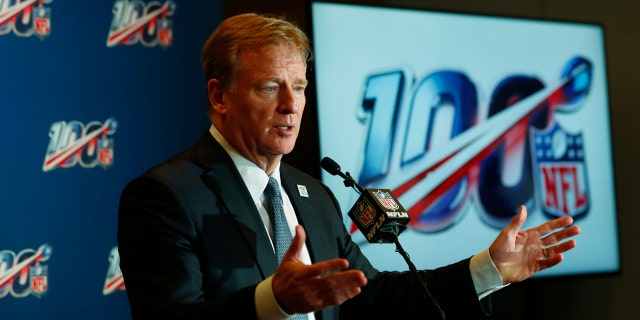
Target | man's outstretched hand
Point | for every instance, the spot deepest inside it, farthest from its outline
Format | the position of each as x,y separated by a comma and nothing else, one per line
519,255
301,288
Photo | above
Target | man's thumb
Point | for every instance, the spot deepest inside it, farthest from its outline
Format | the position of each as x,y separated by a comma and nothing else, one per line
296,244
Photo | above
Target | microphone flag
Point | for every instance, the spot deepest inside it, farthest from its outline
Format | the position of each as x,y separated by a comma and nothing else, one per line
379,215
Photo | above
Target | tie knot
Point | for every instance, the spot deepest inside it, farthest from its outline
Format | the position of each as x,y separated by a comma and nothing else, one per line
274,198
273,188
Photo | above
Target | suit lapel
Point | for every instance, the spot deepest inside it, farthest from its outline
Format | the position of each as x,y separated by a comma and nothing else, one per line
307,212
225,181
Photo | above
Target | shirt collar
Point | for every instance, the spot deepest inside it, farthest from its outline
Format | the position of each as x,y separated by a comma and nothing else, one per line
253,176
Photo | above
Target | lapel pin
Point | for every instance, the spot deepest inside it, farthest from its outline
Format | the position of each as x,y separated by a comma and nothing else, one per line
302,190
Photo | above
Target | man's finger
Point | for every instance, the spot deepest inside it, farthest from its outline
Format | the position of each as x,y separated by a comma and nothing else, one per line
561,235
295,248
325,267
554,224
518,221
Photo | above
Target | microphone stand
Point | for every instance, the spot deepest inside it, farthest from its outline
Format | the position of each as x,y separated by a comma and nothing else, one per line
350,182
413,269
333,168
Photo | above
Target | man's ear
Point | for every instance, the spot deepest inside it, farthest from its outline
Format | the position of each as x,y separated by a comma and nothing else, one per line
215,93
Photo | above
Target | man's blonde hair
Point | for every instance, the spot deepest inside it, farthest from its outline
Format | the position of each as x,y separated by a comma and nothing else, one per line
250,30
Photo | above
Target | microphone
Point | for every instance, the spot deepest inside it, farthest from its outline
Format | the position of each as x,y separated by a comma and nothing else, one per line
381,218
377,213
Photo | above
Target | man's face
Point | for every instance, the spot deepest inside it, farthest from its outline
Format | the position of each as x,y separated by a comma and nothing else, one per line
264,112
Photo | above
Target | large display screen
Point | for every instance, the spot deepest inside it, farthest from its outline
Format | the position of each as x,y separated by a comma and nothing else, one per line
464,118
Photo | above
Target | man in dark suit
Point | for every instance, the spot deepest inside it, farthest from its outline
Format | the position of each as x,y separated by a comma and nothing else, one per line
195,235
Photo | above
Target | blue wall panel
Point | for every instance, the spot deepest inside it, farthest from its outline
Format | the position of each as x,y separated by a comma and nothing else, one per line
80,118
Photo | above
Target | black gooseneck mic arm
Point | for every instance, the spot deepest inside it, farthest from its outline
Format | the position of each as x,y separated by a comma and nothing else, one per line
333,168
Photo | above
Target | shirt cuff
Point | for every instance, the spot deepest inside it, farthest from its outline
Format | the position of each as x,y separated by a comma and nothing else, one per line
485,275
267,306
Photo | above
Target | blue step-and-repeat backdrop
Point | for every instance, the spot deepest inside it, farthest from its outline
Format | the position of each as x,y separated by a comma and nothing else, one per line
92,93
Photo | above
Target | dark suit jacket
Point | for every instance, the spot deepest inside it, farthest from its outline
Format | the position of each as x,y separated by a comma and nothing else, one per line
192,246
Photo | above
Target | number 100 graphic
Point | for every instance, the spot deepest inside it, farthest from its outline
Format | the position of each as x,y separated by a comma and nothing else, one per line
427,142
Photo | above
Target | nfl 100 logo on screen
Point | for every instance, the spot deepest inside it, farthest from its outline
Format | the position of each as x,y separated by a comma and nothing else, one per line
426,140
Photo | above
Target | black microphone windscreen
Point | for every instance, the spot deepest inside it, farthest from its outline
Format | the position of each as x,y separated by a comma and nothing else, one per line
330,166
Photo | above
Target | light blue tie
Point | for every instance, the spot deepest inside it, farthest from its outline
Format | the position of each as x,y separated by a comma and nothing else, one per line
282,234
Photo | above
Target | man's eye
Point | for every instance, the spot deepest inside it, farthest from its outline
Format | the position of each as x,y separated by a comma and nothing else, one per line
269,89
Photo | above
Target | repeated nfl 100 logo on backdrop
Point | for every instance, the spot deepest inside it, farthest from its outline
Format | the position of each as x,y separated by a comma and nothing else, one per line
73,143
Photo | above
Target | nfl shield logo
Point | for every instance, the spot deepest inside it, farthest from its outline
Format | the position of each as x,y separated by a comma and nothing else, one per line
386,200
105,152
39,281
42,21
365,213
560,171
165,33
